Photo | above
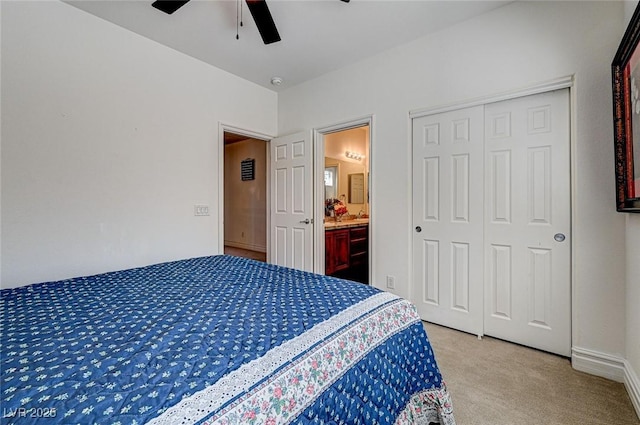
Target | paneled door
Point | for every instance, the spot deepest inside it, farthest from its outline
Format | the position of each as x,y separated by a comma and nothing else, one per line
527,225
448,218
292,201
491,220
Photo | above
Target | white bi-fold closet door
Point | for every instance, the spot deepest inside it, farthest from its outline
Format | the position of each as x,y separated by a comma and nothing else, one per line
491,218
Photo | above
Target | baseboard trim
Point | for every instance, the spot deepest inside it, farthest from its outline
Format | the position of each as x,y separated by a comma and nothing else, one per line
250,247
611,367
632,384
598,363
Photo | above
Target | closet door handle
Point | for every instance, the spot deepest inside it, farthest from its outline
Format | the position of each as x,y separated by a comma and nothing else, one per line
418,229
305,221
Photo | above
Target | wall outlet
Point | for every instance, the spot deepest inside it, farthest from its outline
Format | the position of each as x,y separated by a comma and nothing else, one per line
391,282
200,210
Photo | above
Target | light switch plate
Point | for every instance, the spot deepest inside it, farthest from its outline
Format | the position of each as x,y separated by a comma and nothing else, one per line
200,210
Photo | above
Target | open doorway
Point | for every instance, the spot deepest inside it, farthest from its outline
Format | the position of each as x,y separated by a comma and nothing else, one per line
346,203
245,196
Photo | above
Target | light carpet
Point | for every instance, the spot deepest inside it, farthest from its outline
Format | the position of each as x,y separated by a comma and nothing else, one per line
493,382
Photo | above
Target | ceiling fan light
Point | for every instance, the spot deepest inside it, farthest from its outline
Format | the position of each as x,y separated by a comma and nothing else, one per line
264,21
169,6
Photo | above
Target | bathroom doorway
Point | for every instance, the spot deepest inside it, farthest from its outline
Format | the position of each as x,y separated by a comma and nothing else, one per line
347,203
245,196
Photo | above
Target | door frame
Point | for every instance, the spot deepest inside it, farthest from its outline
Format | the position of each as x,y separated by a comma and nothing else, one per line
318,153
222,128
566,82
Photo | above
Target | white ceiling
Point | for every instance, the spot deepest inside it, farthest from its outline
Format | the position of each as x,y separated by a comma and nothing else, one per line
318,36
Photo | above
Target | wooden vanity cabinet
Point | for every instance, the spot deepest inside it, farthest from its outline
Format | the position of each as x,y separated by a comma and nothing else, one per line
347,253
336,256
359,245
359,254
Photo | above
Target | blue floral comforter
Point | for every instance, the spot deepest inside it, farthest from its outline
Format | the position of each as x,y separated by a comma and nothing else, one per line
211,340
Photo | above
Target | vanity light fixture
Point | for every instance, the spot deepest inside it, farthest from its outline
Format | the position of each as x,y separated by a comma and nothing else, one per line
354,155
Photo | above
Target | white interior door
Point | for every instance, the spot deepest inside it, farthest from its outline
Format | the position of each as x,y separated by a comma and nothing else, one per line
527,230
292,201
448,218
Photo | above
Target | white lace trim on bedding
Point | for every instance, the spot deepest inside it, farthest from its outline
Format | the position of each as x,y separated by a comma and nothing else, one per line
282,397
427,407
198,406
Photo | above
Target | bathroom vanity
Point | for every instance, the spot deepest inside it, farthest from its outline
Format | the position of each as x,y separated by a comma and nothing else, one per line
347,249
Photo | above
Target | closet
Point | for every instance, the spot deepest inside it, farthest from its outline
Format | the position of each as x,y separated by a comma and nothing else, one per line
491,219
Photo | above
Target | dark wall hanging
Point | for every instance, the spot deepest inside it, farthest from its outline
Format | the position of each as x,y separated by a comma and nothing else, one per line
626,117
248,169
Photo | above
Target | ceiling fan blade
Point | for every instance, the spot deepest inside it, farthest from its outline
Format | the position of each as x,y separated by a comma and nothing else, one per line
264,21
169,6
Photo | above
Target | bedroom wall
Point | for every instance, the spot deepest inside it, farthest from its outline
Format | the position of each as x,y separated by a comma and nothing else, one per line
0,147
512,47
633,279
633,303
108,141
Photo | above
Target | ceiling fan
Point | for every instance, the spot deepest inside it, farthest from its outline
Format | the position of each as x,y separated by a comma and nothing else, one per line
258,8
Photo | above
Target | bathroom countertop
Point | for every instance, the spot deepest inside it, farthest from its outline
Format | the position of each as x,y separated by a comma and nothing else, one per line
345,223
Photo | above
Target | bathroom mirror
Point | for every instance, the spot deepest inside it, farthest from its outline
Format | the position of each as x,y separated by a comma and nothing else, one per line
331,182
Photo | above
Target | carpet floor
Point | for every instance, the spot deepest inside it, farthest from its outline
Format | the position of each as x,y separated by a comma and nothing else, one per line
493,382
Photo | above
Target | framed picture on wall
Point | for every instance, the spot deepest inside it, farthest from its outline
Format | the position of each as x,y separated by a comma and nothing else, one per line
625,70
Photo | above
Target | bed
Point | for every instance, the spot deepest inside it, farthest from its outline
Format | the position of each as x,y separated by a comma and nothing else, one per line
215,340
